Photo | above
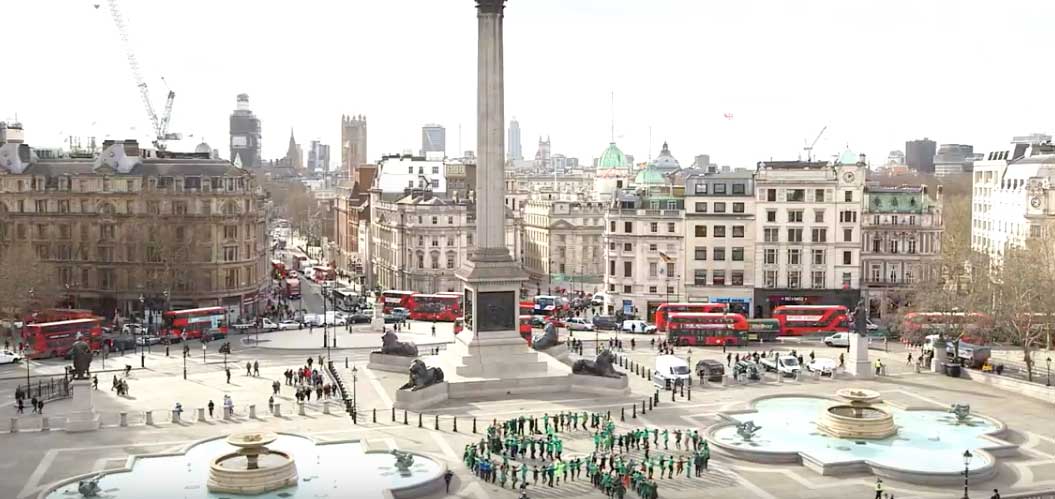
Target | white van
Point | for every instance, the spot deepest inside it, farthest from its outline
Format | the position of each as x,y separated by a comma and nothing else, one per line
930,341
669,369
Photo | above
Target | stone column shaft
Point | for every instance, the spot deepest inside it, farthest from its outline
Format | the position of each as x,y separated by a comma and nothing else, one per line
490,133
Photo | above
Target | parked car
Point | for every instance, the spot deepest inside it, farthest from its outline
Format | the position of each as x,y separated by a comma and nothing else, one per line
398,314
577,324
638,326
710,369
147,339
133,329
822,365
9,357
360,317
786,365
597,300
288,324
605,322
268,325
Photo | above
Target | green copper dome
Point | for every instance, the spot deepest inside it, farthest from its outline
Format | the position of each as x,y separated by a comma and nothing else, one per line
650,176
612,158
848,157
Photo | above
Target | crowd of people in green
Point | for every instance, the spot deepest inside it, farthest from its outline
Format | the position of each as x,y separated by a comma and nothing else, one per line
520,451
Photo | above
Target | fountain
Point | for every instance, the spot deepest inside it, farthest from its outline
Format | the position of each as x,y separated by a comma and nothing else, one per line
253,468
859,419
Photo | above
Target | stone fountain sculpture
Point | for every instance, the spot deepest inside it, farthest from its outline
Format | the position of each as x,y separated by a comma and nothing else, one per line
253,468
602,366
422,376
859,419
747,430
962,412
90,487
390,345
547,339
404,460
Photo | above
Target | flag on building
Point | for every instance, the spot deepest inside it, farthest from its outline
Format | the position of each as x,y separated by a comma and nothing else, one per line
663,256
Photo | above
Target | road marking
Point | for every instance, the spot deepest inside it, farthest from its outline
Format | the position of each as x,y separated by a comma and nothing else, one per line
921,397
34,479
380,390
758,491
445,447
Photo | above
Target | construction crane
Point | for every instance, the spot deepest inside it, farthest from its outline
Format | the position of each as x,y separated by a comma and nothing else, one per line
809,148
160,125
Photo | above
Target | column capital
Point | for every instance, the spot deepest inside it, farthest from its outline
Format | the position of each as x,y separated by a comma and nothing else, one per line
490,6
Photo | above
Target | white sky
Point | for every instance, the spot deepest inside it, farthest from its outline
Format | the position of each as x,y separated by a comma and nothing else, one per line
876,72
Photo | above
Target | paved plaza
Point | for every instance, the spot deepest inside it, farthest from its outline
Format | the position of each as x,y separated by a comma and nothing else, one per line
36,458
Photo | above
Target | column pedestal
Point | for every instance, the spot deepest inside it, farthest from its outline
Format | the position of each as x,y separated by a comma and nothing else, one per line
82,416
857,363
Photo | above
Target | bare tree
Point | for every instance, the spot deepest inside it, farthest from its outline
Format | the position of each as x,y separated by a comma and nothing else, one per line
26,281
1024,297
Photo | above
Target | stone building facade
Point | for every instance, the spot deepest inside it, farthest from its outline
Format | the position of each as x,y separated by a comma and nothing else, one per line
563,244
180,231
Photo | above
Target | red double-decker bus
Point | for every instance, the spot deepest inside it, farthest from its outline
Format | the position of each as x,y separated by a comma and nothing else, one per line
526,307
665,309
58,314
54,339
921,324
706,329
393,299
278,270
193,323
798,320
435,307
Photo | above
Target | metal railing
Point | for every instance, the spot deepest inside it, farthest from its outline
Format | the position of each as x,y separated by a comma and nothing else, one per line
52,389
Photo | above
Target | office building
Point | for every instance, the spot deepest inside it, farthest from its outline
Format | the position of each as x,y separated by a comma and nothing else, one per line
433,139
919,154
318,158
562,245
515,152
953,159
399,172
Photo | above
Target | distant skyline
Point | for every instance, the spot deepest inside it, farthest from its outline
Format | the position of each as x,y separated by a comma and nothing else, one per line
877,73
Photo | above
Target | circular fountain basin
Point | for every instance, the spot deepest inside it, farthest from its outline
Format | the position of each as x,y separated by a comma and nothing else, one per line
253,469
857,421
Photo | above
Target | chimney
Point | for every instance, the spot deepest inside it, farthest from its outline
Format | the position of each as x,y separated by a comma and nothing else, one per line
131,147
11,132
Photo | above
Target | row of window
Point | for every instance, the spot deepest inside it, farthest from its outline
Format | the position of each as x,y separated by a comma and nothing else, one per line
654,269
795,235
653,227
151,253
627,289
177,207
108,232
111,279
818,278
736,253
718,207
737,231
434,261
736,188
800,196
107,184
794,256
797,216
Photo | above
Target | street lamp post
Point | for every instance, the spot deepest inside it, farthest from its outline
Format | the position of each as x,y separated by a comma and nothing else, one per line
203,348
186,352
966,468
25,349
1049,370
355,382
142,354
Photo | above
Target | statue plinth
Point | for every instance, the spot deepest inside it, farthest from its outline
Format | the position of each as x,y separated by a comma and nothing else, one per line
82,416
390,363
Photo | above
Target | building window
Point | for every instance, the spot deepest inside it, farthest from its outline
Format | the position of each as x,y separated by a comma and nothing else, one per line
179,207
699,277
738,254
719,254
701,231
771,195
848,235
771,216
848,258
818,195
627,289
719,207
701,207
771,234
628,269
737,278
876,245
818,279
628,247
875,271
106,278
612,224
154,207
653,290
796,195
628,227
670,269
230,253
795,216
893,246
700,253
701,188
719,231
794,279
611,268
794,235
719,188
912,246
818,216
850,216
818,257
434,261
435,242
106,232
738,231
652,247
740,189
653,269
770,277
64,206
670,227
230,278
794,256
653,227
738,207
230,232
848,196
64,232
820,235
847,279
770,256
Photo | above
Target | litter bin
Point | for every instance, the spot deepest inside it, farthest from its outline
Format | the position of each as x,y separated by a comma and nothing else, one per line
952,370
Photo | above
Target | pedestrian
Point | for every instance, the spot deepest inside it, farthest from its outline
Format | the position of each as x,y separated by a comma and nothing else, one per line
40,406
212,407
842,361
447,475
879,488
228,371
95,381
909,361
879,366
256,368
248,368
33,404
729,359
433,329
271,404
996,494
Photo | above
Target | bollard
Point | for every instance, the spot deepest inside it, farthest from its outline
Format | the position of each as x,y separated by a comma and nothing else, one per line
175,417
690,393
14,425
355,415
643,407
673,393
404,416
650,403
326,407
393,414
300,409
277,410
455,424
346,362
123,419
474,425
201,414
622,413
419,420
657,397
252,411
45,425
437,425
634,415
149,417
375,415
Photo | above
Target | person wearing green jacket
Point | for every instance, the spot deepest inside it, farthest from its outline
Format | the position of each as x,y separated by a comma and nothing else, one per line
666,439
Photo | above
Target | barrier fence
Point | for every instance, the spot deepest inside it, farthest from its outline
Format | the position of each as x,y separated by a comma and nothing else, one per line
52,389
